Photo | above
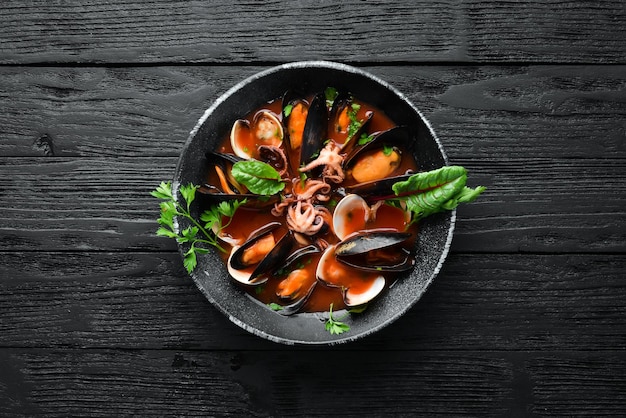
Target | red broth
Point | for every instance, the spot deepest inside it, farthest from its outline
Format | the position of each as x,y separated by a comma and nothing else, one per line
247,220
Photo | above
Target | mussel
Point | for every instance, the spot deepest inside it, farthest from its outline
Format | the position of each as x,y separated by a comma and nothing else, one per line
298,285
346,121
229,188
315,129
379,157
258,255
376,250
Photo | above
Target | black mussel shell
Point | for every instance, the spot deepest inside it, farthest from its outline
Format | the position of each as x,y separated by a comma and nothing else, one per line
220,158
376,190
397,260
275,256
398,136
315,129
370,240
298,254
343,100
376,250
236,262
299,303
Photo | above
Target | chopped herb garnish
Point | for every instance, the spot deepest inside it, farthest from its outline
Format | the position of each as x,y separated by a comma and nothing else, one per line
303,178
275,306
355,124
331,95
365,138
387,150
287,109
333,326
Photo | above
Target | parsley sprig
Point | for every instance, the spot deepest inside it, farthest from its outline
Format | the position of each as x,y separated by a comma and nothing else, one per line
334,326
199,236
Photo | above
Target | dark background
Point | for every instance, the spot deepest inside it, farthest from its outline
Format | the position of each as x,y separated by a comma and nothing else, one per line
98,316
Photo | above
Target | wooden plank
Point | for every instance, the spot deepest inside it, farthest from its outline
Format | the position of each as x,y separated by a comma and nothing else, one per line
159,31
309,383
538,205
483,112
478,302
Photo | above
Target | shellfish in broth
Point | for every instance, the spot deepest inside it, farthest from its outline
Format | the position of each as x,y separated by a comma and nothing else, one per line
328,236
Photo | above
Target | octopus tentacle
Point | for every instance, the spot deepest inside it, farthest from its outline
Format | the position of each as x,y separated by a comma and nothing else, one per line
331,160
304,218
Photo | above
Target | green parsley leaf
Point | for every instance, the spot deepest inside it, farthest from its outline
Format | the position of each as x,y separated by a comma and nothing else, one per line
287,110
275,306
365,138
333,326
358,309
164,191
258,177
387,150
188,193
190,260
303,178
163,232
188,234
355,123
331,94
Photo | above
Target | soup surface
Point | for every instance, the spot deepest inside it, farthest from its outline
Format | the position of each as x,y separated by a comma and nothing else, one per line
330,235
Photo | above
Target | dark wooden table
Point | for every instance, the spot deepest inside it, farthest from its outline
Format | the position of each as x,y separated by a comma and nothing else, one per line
98,316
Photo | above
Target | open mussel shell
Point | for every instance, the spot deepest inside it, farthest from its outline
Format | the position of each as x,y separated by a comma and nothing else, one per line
398,136
355,293
241,271
340,121
275,256
376,250
370,240
380,158
296,301
398,261
237,255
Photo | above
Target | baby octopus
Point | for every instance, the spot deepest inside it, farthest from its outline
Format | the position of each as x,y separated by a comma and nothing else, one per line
303,215
331,160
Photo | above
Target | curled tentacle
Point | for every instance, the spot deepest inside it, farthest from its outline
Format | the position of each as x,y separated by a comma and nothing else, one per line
331,160
304,218
275,156
313,189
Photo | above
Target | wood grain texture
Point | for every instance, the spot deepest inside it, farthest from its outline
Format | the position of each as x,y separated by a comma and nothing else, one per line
308,383
489,112
39,31
99,318
147,301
